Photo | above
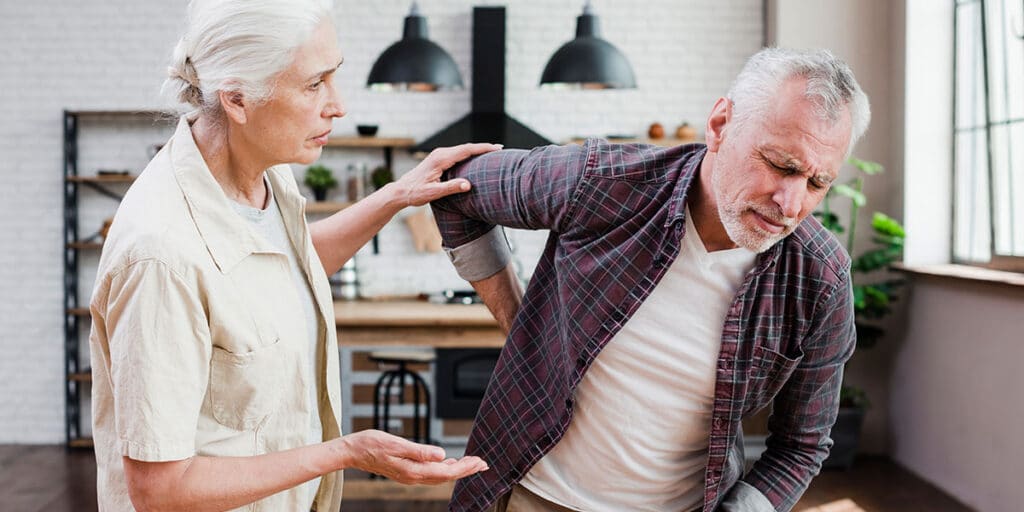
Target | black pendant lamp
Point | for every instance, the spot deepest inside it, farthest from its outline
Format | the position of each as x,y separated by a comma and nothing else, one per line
414,63
588,62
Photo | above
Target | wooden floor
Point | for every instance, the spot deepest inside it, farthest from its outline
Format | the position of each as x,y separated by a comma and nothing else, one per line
52,479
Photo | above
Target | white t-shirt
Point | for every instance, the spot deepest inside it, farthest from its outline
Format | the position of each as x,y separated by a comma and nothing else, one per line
642,416
270,225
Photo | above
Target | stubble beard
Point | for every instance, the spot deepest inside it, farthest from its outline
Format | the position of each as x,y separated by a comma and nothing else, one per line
749,237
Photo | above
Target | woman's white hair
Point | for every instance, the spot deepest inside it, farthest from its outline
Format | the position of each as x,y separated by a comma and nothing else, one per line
831,86
238,46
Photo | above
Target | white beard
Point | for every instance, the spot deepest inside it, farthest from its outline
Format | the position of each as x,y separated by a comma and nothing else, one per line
749,237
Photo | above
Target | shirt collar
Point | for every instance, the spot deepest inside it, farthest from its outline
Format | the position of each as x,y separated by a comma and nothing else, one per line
691,167
224,232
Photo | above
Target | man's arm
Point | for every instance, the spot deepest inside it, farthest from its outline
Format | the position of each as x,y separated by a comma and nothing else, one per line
515,188
339,236
805,409
224,483
503,296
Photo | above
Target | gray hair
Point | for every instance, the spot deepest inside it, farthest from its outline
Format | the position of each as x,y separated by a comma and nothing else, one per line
238,46
831,86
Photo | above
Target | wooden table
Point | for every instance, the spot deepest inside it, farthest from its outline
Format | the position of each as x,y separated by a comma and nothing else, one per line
416,323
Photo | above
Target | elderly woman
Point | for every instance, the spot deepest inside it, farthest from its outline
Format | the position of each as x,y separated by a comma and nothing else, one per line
215,368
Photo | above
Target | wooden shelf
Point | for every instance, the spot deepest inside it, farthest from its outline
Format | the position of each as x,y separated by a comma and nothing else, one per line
666,142
325,206
78,311
370,142
82,442
85,376
83,245
101,179
123,113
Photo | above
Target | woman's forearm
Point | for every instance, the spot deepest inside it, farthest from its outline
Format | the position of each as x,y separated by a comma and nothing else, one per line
223,483
338,237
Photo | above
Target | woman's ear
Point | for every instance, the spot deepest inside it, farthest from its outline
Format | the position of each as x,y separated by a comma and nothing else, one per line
714,132
233,103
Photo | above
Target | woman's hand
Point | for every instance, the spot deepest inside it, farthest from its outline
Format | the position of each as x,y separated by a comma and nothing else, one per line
422,184
403,461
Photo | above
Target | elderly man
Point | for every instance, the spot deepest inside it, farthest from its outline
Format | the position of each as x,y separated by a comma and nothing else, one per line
681,290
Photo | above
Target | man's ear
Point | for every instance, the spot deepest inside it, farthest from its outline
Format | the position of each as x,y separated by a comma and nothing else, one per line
714,132
233,103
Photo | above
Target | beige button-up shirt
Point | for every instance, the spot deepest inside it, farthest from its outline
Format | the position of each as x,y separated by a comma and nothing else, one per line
199,344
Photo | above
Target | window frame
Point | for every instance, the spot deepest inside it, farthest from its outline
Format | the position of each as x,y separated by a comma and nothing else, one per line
997,260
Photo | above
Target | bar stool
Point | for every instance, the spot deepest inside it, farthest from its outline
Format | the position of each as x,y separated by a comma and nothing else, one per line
383,388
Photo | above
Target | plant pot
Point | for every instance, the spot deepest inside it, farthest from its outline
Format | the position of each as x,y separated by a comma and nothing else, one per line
320,194
846,435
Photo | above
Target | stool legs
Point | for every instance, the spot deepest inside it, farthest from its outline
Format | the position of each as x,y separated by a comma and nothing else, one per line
382,392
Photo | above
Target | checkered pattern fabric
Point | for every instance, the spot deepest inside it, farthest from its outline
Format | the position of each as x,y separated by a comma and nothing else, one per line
615,212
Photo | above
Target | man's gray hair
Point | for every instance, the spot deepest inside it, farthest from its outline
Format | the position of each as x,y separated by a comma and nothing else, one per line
238,46
831,86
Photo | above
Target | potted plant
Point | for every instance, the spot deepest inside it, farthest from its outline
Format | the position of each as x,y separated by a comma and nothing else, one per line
381,176
873,295
320,179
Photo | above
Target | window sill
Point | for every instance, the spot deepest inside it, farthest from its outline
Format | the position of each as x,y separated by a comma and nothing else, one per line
965,272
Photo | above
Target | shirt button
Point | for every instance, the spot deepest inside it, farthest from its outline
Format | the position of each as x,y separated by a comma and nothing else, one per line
718,423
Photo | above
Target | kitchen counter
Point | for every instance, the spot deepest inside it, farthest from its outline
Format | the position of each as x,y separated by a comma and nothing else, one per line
416,323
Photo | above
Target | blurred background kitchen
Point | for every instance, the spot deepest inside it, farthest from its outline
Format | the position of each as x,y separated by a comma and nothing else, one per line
79,98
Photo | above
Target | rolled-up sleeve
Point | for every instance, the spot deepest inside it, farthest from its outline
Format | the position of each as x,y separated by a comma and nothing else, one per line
514,188
158,349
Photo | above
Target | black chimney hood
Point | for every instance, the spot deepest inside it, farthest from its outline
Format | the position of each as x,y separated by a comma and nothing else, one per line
487,121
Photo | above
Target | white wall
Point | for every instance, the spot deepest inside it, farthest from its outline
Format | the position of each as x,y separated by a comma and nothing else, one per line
64,54
956,407
868,35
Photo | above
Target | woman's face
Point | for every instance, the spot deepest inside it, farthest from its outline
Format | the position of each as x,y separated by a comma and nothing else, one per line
292,126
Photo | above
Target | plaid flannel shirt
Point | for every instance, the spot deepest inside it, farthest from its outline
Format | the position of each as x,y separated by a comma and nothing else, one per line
615,212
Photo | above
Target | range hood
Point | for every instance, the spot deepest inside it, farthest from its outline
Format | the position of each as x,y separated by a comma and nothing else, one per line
487,121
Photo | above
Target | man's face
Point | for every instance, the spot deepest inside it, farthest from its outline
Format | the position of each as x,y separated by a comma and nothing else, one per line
771,172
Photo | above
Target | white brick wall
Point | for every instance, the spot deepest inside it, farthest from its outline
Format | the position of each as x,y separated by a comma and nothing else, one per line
64,54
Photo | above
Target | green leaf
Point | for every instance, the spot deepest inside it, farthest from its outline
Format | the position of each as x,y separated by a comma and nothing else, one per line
875,259
855,195
876,295
866,166
888,241
886,225
859,300
831,222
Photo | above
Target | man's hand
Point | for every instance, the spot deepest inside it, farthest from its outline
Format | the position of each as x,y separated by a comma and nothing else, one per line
423,183
403,461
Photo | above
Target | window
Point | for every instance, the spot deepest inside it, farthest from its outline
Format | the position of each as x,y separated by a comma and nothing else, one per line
988,133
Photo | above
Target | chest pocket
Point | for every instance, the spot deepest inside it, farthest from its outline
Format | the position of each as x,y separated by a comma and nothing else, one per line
253,362
769,371
246,388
